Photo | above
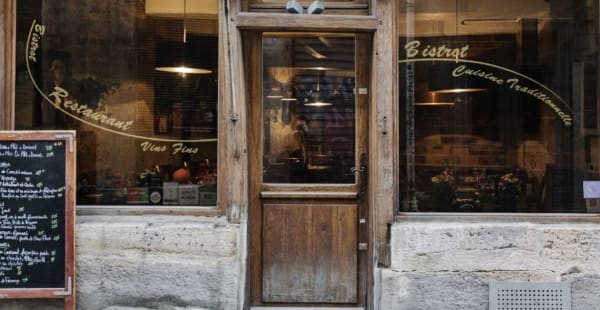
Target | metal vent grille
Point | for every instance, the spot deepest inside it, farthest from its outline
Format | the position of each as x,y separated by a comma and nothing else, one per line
530,296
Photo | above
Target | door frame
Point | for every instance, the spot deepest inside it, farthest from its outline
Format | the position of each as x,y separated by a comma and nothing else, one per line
288,193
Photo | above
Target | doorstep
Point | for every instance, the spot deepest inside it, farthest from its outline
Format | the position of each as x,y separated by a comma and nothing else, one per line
307,308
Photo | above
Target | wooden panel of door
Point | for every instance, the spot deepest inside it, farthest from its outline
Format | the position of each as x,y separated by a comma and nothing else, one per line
310,253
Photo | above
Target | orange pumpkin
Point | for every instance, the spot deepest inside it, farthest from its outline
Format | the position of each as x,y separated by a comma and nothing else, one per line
182,176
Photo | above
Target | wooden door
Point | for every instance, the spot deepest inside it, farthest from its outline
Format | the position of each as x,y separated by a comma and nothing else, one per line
308,165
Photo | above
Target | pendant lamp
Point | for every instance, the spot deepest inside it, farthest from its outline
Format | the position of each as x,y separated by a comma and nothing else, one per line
430,99
317,102
181,64
441,80
280,87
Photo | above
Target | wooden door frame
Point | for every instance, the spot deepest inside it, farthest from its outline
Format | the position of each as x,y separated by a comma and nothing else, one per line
234,146
342,193
383,120
8,11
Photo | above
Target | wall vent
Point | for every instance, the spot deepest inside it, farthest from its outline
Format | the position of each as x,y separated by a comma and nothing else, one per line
530,296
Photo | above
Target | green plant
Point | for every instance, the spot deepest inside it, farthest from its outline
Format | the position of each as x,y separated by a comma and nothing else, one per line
144,178
442,182
92,91
509,186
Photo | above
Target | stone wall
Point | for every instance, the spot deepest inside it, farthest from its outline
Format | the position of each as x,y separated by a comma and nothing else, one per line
152,262
448,264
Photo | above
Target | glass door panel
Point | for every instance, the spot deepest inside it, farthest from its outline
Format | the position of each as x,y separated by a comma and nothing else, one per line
309,109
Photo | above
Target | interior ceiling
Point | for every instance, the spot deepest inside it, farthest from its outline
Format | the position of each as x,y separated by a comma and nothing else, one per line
475,17
174,8
201,17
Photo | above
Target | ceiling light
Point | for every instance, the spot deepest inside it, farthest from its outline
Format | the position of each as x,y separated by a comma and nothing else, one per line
312,52
317,101
441,80
183,70
318,104
181,66
432,104
431,99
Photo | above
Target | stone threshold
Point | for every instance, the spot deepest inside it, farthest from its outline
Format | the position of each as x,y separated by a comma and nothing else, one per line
307,308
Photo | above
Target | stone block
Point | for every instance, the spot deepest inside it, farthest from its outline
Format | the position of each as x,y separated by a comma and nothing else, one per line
433,291
156,281
187,235
157,262
152,262
569,244
584,291
38,304
465,246
447,290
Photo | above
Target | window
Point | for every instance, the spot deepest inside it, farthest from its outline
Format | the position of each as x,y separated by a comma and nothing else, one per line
137,80
499,105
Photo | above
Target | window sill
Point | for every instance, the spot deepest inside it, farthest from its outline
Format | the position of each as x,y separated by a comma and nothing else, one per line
540,218
145,210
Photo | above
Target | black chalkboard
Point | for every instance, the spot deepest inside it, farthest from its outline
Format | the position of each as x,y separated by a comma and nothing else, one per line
36,214
32,227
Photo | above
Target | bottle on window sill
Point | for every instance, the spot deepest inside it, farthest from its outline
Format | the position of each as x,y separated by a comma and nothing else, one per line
155,195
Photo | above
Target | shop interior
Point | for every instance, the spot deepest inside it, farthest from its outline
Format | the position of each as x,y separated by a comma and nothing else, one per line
486,136
149,64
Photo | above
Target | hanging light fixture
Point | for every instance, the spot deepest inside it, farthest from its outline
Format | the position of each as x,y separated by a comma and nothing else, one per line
432,99
181,66
275,91
441,80
288,93
280,87
317,101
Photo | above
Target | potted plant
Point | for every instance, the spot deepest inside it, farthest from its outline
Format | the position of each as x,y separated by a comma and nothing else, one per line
442,185
509,190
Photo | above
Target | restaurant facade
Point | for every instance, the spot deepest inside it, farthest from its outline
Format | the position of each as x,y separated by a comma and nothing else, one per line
343,154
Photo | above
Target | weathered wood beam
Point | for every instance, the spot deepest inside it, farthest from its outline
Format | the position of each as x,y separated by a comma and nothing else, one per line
7,63
303,22
232,152
384,127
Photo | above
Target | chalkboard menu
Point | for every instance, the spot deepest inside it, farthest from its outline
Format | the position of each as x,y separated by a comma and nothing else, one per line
36,213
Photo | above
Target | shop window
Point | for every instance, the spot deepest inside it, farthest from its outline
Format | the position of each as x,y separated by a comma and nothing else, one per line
137,80
332,7
499,106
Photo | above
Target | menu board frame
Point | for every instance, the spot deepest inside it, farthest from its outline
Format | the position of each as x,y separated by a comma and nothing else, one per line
68,291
